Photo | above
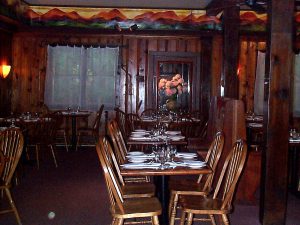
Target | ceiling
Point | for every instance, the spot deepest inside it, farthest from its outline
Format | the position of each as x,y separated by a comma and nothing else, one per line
174,4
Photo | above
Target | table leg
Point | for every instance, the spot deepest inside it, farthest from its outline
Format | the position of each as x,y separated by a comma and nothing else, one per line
74,135
162,192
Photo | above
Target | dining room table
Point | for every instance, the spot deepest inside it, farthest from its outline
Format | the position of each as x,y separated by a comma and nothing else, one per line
182,163
74,115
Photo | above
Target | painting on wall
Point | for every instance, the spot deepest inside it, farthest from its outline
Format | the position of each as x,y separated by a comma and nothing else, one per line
108,18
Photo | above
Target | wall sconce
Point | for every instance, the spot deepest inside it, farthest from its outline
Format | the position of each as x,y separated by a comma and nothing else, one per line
118,28
5,70
133,27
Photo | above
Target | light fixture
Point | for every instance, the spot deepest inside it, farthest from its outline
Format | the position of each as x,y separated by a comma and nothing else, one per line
133,27
5,70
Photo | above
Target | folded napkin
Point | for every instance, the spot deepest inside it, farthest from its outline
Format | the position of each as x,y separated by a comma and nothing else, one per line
190,163
140,138
140,156
177,138
173,132
255,125
141,165
186,154
294,140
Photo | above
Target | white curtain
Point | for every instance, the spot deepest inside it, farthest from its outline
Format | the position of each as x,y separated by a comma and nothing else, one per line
259,84
81,77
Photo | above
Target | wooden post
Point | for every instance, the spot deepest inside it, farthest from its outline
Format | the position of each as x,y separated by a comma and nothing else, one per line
276,112
231,49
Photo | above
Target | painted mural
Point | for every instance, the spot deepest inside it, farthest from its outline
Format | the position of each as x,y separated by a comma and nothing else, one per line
105,18
124,19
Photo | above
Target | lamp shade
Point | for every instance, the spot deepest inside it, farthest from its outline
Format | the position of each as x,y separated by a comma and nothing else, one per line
5,70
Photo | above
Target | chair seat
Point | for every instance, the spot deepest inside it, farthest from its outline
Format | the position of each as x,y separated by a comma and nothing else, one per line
202,205
138,207
137,190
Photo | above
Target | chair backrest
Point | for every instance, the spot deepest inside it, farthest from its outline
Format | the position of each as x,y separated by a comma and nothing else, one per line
11,145
97,121
118,141
114,190
2,162
149,112
212,159
121,121
131,121
230,173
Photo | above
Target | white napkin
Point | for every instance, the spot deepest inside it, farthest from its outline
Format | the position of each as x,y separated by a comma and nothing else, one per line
186,155
141,165
173,132
140,138
190,163
177,138
255,125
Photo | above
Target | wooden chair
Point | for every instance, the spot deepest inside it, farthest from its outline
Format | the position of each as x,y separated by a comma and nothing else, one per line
115,134
201,186
2,163
126,209
11,146
220,203
43,134
131,122
61,130
91,131
149,112
120,150
129,190
121,121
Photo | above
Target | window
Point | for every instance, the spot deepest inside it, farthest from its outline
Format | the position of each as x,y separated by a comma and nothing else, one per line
81,77
259,85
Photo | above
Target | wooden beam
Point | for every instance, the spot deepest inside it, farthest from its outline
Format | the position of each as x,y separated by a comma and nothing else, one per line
276,112
214,7
231,49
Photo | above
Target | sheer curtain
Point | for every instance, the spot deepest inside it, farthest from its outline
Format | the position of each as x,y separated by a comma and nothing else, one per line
296,93
81,77
259,84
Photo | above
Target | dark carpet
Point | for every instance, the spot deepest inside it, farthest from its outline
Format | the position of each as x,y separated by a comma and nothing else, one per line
75,194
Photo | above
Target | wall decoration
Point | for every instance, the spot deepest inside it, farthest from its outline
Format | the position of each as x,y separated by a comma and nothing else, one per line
107,18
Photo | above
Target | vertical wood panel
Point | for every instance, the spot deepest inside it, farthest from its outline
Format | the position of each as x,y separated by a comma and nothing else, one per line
216,69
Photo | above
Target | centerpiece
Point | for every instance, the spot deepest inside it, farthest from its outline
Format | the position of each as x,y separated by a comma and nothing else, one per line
170,90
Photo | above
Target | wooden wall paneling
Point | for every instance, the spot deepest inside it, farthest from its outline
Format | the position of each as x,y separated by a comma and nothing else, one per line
42,66
205,78
216,66
142,56
152,46
172,45
251,72
124,74
242,68
162,45
6,84
132,74
181,45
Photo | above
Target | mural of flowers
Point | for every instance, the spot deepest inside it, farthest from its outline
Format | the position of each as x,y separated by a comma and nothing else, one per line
169,90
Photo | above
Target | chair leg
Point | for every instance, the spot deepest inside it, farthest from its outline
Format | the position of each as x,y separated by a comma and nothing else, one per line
119,221
225,219
53,154
182,220
78,141
155,220
66,143
37,149
189,218
213,221
12,204
173,207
